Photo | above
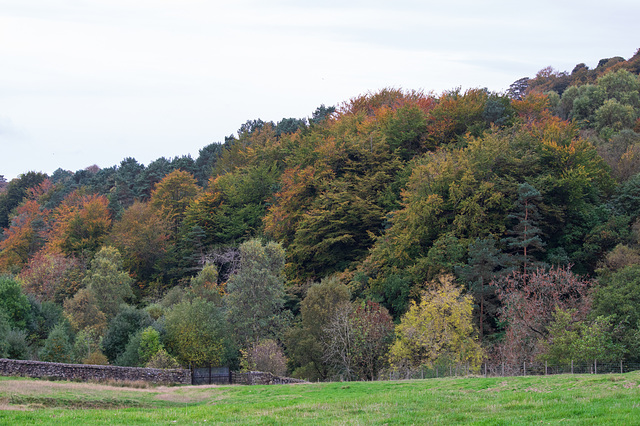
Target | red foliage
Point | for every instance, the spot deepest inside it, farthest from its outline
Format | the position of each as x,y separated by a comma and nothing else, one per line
529,301
52,276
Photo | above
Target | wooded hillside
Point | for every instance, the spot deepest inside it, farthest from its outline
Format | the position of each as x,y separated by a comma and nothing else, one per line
513,216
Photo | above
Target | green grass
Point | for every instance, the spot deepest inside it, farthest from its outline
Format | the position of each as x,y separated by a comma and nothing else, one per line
579,399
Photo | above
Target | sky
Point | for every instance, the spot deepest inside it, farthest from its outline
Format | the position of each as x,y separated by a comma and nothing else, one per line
86,82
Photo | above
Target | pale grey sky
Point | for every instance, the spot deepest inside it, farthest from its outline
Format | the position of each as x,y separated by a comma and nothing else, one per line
87,82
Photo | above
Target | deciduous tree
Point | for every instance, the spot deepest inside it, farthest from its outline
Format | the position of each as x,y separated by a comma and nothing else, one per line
529,301
196,333
255,293
439,327
110,285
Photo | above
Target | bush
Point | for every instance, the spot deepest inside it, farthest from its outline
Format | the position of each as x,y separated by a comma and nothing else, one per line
18,347
57,347
162,359
265,356
96,358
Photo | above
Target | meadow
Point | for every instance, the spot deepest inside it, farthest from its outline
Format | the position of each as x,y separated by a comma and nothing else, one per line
566,399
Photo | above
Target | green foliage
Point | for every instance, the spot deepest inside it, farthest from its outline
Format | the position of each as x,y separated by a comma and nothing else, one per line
83,312
130,356
627,198
149,344
121,329
17,345
485,263
57,347
305,339
580,341
196,333
618,295
255,293
205,284
232,208
110,285
13,303
162,359
85,345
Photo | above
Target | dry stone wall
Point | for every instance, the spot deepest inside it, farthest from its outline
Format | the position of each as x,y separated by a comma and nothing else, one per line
261,378
39,369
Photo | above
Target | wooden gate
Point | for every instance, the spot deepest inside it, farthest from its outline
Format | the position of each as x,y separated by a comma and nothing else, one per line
210,375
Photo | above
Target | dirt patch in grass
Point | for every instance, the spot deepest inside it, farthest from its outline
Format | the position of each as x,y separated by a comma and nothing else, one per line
34,394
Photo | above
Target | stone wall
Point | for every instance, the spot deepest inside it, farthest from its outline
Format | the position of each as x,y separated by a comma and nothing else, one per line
261,378
12,367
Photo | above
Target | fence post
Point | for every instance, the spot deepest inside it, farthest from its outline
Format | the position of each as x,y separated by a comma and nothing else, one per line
621,367
524,367
503,369
595,366
485,369
436,371
422,372
571,366
545,368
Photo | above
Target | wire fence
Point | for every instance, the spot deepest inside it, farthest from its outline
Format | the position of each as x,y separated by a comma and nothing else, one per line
489,369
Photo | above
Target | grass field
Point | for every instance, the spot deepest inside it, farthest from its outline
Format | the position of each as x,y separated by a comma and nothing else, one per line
566,399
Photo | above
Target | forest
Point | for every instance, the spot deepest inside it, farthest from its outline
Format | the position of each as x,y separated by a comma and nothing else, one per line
396,230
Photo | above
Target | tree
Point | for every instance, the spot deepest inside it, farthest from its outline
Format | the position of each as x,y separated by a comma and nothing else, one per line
205,284
141,235
255,293
485,262
15,192
17,345
358,339
581,341
13,304
196,333
162,359
27,231
149,344
173,194
525,235
84,314
86,347
305,341
613,117
528,303
321,113
617,294
80,225
52,276
110,285
438,328
57,347
129,322
265,355
124,191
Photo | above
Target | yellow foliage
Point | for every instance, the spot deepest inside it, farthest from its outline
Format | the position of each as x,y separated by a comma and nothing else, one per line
438,327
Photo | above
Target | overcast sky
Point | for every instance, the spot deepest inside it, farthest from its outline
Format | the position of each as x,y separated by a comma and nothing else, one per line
87,82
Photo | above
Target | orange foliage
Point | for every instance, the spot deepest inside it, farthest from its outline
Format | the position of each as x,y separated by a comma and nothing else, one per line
298,188
534,106
23,237
80,224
